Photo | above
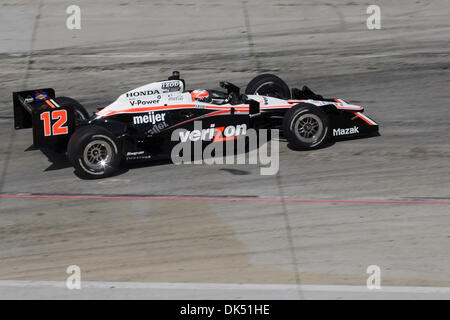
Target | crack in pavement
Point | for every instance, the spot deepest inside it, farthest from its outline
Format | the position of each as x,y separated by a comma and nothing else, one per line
251,44
24,84
253,55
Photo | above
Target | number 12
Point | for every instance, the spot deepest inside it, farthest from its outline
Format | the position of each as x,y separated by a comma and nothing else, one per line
58,127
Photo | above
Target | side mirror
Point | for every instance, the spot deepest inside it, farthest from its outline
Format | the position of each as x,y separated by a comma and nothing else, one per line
231,88
175,75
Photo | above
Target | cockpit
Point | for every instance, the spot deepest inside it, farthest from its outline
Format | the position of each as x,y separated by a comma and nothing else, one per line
232,96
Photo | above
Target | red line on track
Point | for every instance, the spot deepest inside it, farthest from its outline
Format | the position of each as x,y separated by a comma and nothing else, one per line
87,197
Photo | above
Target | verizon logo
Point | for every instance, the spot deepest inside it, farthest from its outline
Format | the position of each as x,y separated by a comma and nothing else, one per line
214,134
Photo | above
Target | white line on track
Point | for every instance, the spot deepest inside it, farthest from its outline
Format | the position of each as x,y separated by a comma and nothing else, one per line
224,286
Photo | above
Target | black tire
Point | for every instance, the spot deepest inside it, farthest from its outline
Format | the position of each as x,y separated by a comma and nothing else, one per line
305,127
80,112
268,85
88,147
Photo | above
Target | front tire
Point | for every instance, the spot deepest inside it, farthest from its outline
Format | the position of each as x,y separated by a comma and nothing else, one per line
305,127
94,152
268,85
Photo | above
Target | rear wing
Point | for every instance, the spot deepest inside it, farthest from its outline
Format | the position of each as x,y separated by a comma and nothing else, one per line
25,101
52,124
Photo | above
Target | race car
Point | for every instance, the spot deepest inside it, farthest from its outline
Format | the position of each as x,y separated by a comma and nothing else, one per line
139,124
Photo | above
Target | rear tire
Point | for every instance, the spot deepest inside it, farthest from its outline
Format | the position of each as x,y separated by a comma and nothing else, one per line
305,127
268,85
94,152
80,112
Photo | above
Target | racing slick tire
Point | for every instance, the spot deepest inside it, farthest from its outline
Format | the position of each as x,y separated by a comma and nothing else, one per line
80,111
94,152
268,85
305,127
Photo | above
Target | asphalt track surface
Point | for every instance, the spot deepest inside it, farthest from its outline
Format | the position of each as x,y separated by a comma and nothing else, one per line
167,231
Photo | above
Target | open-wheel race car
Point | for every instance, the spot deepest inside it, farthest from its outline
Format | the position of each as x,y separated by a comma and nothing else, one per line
139,124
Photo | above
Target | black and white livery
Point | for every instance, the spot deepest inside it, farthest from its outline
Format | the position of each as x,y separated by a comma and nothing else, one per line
140,123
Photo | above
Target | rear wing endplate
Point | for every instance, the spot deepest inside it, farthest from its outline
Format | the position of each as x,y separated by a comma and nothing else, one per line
52,124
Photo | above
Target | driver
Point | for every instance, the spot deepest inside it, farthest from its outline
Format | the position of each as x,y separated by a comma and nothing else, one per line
210,96
201,95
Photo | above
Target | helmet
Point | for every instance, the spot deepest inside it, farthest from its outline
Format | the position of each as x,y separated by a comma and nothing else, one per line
200,95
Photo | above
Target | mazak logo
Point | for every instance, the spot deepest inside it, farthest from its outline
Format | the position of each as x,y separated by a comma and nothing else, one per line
213,133
151,117
141,93
346,131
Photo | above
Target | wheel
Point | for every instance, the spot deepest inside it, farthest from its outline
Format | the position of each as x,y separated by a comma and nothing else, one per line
268,85
305,126
80,111
94,152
